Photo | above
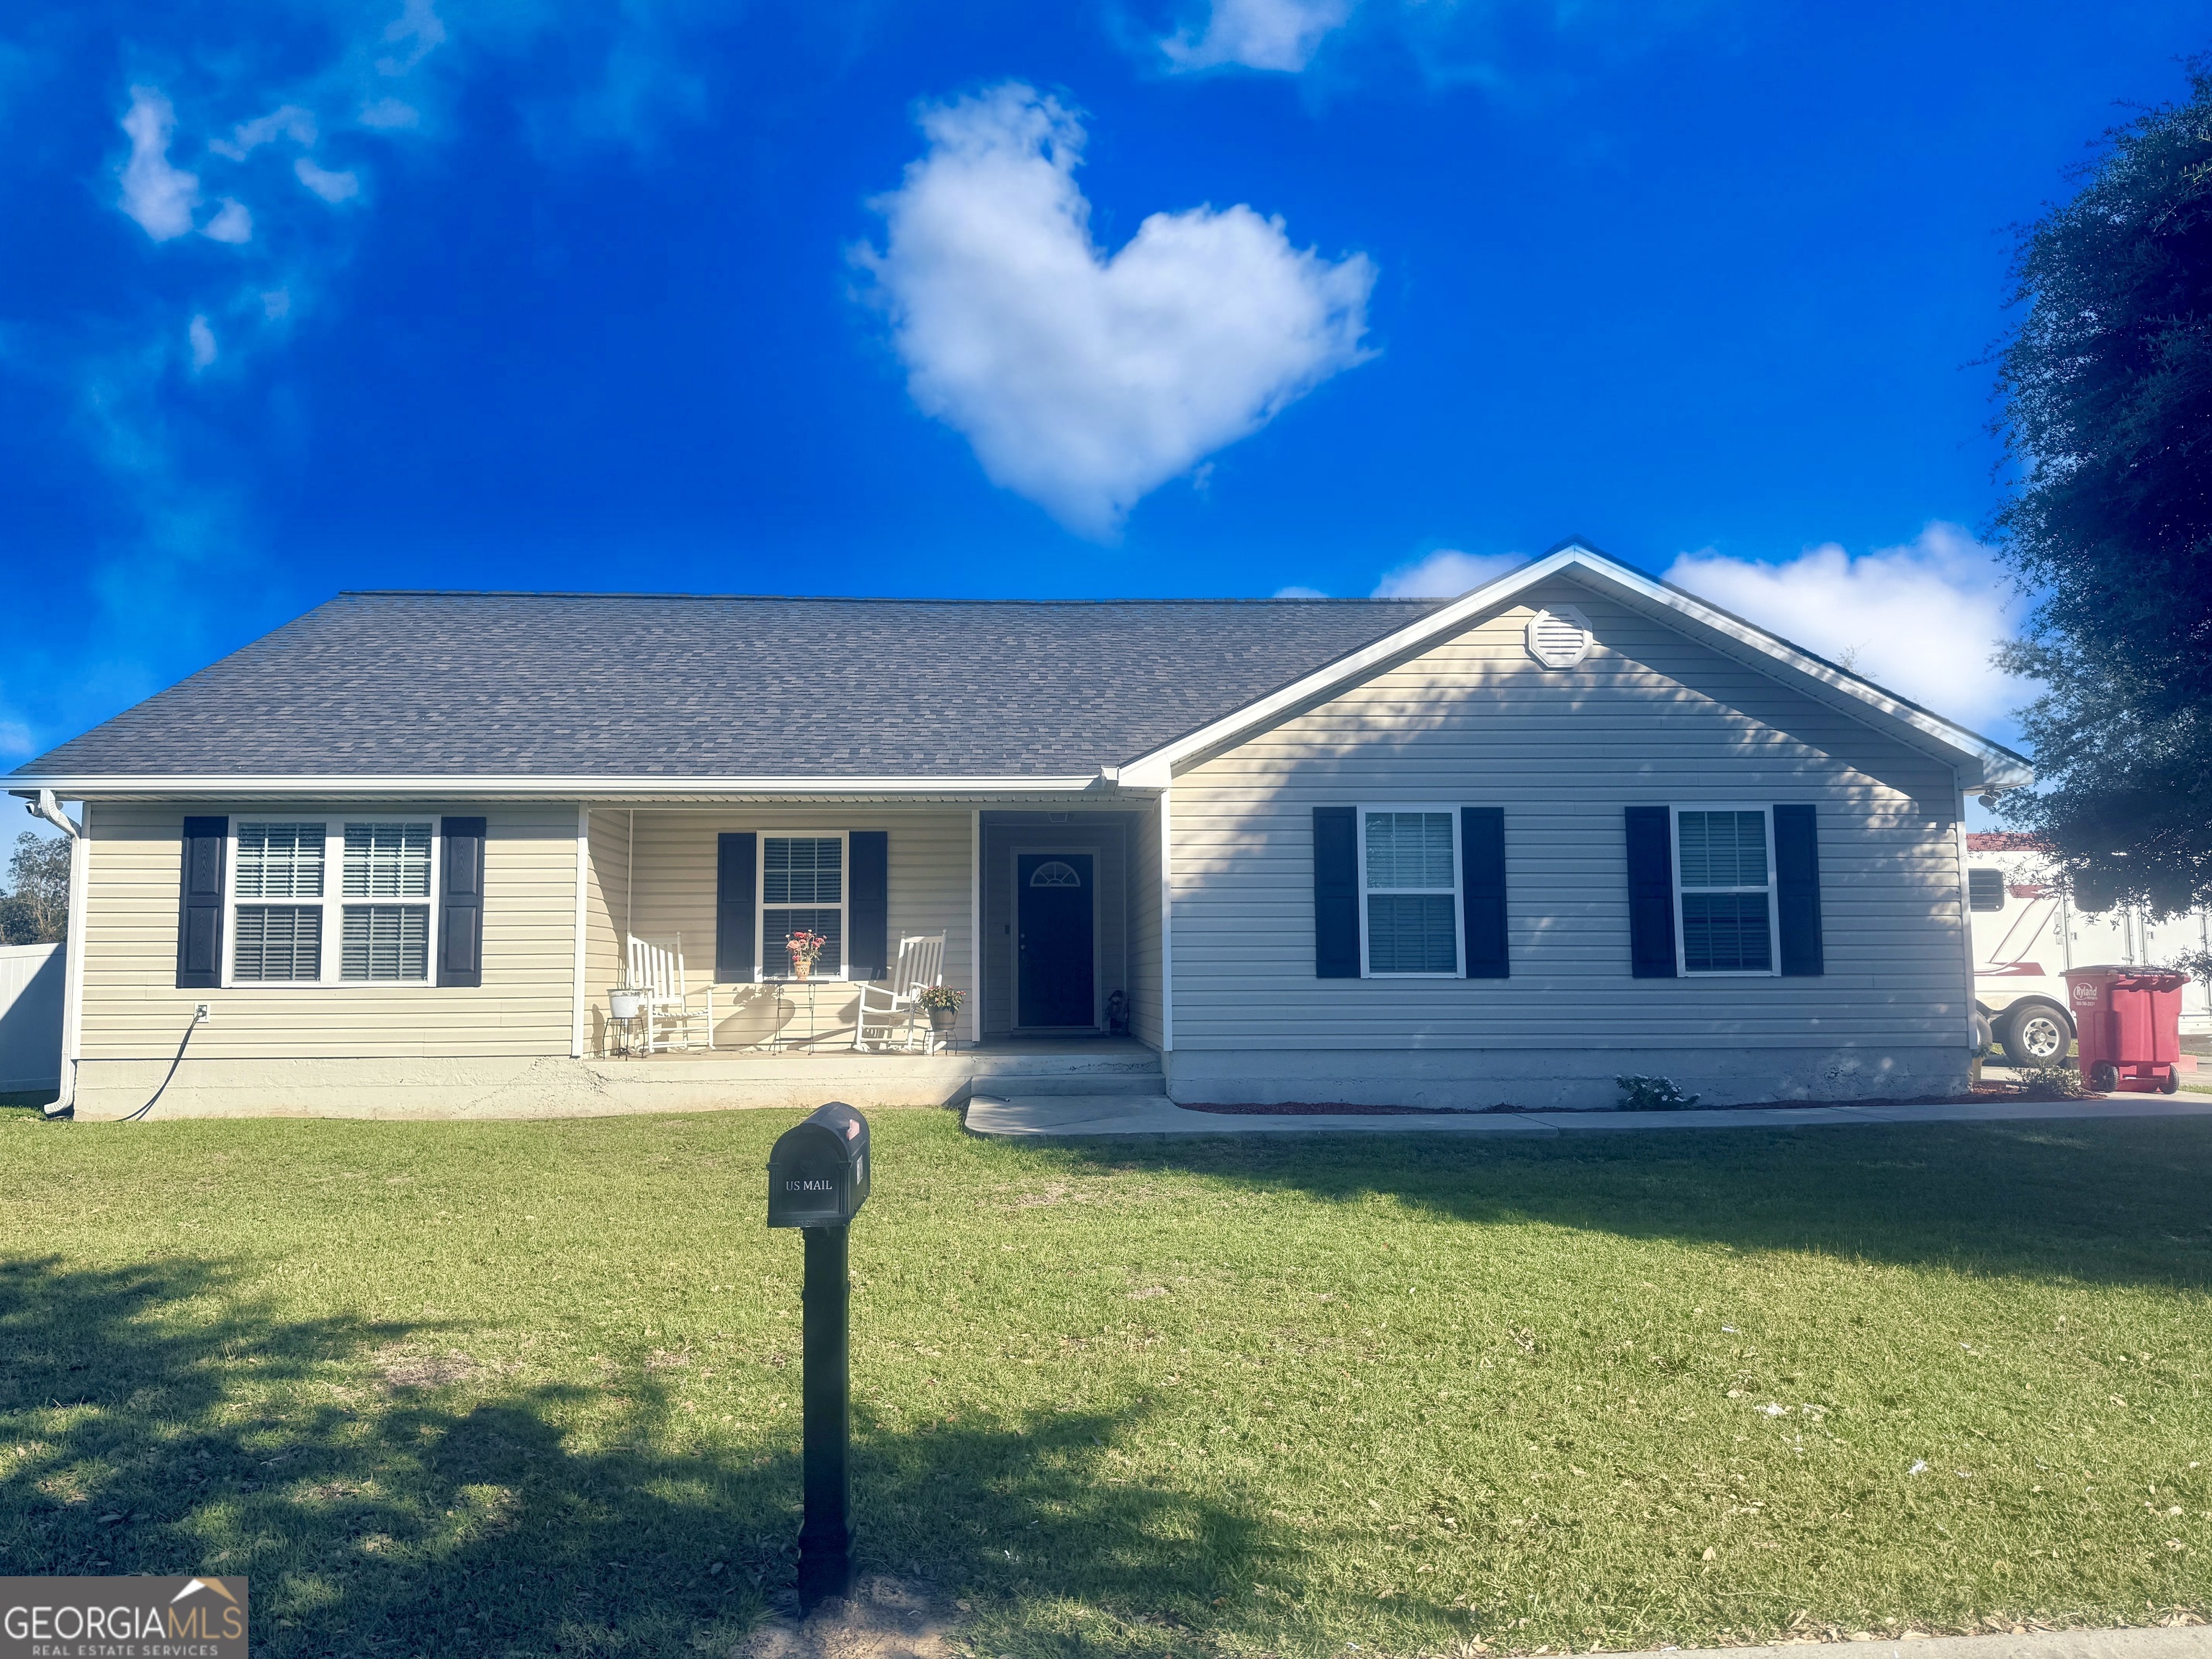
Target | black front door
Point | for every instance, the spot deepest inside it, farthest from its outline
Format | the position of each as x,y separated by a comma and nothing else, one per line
1053,907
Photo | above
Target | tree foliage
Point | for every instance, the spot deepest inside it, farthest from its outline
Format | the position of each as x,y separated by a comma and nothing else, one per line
35,909
2107,389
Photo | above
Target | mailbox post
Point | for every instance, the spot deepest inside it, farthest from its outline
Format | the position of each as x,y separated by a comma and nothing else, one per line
817,1179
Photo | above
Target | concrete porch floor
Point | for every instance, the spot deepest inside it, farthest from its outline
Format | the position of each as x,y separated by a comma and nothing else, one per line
1029,1066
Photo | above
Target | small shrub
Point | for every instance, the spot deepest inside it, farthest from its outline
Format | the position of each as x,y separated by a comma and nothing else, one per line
941,996
1652,1094
2052,1080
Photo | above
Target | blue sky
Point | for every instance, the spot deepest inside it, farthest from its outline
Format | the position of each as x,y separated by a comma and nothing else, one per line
1009,300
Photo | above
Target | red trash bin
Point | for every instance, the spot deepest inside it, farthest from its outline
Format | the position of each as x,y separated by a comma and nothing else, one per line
2127,1022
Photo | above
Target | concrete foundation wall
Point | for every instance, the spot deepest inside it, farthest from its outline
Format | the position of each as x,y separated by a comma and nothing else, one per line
553,1086
1574,1079
558,1086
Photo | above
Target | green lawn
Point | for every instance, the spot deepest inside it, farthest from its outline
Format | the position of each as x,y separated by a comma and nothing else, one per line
454,1388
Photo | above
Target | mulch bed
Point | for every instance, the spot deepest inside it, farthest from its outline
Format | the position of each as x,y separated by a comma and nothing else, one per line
1981,1093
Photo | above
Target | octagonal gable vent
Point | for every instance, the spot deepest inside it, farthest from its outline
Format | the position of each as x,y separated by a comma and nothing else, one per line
1559,638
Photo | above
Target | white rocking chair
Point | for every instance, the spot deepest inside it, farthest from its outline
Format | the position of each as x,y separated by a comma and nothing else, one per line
669,1012
890,1011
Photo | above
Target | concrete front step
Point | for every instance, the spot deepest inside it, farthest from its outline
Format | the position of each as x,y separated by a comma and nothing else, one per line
1150,1084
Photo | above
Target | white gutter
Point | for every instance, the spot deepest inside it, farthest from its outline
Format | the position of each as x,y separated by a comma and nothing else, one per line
482,787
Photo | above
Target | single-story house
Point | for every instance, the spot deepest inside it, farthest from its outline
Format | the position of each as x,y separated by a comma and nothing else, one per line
1574,825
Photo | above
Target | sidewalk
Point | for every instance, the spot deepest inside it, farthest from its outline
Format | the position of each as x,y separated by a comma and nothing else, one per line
1044,1116
2184,1641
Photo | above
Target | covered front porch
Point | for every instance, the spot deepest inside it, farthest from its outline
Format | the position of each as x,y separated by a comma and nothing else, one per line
1048,912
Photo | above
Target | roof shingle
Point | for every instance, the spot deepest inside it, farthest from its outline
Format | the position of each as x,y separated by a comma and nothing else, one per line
622,685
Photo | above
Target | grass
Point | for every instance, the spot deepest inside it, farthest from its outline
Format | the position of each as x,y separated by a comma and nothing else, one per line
519,1388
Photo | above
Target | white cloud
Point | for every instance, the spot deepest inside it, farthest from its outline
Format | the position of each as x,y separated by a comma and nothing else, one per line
1921,619
201,340
1300,593
160,196
290,122
330,186
1445,574
418,31
390,115
232,223
1260,34
1085,381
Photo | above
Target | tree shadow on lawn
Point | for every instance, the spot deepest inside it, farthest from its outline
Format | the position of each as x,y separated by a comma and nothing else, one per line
2118,1202
376,1517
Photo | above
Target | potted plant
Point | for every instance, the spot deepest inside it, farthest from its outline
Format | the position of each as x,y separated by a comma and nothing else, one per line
806,950
625,1001
943,1003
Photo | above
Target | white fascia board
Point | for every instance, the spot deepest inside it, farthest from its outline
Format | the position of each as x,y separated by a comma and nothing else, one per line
483,788
1986,764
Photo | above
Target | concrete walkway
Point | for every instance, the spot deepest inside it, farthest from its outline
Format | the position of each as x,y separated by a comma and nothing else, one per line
2182,1642
1044,1116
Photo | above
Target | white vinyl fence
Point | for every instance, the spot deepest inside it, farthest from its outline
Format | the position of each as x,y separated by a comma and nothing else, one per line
30,1018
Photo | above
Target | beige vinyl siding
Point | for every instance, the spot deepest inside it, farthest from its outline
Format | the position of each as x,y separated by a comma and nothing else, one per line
1649,717
605,898
1144,1024
133,1009
672,888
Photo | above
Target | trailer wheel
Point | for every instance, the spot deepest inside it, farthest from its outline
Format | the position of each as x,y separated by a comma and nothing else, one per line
2103,1077
2171,1082
2035,1034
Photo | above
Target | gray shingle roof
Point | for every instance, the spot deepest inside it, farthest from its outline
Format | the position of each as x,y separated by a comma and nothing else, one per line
593,686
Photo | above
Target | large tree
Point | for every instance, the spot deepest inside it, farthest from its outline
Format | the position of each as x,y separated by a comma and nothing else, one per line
2107,389
36,911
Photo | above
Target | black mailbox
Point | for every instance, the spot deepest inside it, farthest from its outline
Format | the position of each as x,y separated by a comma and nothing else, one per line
817,1173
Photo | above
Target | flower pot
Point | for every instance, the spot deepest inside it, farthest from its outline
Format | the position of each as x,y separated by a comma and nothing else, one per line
801,968
942,1020
625,1004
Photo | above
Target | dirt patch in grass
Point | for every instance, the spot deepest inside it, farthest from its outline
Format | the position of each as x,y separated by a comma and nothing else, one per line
883,1619
405,1367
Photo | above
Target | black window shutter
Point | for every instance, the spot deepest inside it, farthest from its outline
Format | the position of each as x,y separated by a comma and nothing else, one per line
868,904
1482,890
1797,888
1651,893
199,903
736,859
1336,893
460,903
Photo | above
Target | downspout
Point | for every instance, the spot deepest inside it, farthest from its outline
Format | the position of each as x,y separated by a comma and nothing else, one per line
46,807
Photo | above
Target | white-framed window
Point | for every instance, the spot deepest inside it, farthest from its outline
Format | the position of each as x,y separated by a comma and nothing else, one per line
1409,882
348,901
804,886
1725,909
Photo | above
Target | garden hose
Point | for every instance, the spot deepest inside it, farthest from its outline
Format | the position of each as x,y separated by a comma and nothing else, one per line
174,1064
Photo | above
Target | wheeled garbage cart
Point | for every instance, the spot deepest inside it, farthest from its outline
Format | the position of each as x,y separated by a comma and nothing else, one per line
2127,1022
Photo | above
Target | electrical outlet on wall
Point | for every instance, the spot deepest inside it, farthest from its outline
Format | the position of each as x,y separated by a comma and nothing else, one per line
202,1012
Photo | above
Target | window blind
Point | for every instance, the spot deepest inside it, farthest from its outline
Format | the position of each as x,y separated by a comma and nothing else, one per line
280,860
384,942
278,942
387,860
